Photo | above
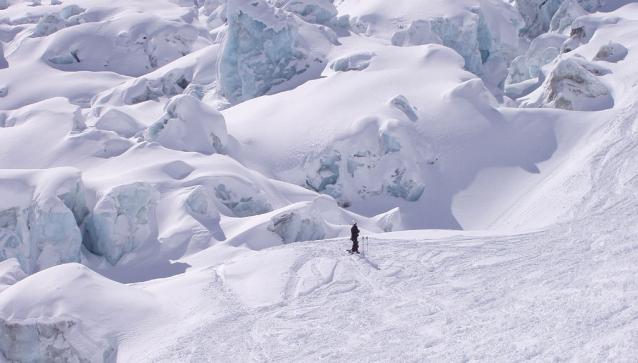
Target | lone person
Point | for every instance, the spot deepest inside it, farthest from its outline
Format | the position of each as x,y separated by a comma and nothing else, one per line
353,237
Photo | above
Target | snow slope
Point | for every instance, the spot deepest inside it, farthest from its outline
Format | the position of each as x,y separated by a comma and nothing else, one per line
178,180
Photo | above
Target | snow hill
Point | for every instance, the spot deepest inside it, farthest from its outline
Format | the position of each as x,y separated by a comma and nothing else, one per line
178,179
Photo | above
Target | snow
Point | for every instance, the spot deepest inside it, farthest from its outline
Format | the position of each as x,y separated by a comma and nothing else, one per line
178,180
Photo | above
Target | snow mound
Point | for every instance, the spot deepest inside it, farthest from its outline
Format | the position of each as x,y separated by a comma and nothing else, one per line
299,222
119,122
41,217
121,220
67,314
572,85
51,23
189,125
611,52
262,48
354,62
131,45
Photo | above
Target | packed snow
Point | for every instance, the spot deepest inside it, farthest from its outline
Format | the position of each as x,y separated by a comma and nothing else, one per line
178,179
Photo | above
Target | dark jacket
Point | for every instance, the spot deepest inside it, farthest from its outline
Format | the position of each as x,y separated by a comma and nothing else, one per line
354,233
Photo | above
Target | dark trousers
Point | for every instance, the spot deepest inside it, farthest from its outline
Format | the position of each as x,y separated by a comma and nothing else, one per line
355,245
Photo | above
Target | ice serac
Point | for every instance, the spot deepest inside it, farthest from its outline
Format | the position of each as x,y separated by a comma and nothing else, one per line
189,125
299,222
261,49
573,84
121,220
543,50
10,273
42,214
376,156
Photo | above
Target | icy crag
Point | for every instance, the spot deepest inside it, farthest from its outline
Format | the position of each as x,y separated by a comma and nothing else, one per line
41,217
573,84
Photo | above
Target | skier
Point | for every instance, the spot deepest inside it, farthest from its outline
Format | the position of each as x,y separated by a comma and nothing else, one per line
353,237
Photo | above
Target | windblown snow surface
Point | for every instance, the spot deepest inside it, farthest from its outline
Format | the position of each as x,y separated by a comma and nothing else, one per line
178,179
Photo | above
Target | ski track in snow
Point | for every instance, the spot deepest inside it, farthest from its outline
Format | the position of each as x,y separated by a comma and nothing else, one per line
562,294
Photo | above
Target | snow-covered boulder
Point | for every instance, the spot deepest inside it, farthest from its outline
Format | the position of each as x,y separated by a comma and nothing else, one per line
189,125
41,217
572,86
299,222
121,220
353,62
611,52
261,49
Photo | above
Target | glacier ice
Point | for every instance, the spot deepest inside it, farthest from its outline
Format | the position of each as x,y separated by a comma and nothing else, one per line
572,86
121,220
260,50
538,14
299,222
486,32
189,125
41,217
